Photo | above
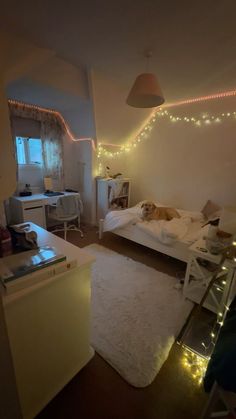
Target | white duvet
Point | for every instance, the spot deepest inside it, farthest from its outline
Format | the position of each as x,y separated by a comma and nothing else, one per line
167,232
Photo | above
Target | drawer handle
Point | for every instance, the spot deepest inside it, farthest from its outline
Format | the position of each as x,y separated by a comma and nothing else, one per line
27,209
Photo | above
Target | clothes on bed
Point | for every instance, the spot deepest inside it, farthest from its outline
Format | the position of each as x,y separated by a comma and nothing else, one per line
166,232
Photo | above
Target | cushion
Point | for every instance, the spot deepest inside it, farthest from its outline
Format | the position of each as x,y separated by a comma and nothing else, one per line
211,210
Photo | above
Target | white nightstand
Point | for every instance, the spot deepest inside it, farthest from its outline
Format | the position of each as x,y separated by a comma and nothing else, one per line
200,270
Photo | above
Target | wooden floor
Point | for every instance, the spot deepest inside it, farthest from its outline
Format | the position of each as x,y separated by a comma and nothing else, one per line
98,391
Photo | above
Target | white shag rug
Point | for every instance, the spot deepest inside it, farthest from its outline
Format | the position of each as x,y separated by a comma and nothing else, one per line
136,315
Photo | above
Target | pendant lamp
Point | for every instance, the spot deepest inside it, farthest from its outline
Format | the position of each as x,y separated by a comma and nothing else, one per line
146,91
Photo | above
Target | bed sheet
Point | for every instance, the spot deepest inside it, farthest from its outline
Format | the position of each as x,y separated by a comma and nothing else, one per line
186,228
179,249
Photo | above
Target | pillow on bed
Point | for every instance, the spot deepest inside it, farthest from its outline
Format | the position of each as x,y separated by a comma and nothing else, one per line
211,210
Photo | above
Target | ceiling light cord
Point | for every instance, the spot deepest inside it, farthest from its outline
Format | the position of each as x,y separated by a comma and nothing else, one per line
148,56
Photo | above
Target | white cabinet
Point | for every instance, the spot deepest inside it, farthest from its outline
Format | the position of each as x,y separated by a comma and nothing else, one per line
48,324
112,194
24,211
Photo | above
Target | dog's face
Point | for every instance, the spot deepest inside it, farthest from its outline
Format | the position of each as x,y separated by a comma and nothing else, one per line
148,208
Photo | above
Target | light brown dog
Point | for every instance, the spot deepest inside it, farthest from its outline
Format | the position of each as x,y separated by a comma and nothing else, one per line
151,212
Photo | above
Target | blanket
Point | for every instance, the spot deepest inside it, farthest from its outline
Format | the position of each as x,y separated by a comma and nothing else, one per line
167,232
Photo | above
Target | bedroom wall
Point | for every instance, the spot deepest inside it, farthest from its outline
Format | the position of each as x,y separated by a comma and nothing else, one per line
184,165
115,120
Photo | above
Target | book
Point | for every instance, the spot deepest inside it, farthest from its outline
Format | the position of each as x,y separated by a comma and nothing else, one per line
41,276
24,263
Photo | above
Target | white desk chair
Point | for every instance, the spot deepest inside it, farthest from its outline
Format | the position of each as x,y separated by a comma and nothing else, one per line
67,208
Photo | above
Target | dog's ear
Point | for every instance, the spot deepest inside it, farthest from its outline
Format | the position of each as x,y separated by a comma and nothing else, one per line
154,206
142,204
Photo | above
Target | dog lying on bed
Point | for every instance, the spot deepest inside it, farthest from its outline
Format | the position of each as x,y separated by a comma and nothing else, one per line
151,212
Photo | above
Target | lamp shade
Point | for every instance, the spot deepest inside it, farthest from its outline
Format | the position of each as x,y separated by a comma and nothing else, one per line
145,92
48,183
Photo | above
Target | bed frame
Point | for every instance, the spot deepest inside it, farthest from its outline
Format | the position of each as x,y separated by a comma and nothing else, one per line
178,251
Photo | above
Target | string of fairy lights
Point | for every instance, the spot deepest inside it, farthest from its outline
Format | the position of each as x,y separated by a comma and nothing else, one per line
195,363
103,150
205,119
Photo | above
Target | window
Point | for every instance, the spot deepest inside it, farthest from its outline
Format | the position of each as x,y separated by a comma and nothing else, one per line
29,150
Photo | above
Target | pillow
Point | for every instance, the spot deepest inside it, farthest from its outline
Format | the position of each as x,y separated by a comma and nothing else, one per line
211,210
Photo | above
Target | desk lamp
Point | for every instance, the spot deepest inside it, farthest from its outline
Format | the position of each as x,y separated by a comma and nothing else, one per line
48,184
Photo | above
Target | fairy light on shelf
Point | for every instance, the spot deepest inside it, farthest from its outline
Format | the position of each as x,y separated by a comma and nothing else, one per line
195,364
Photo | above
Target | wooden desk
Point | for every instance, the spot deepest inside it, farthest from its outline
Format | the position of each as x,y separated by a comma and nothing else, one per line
48,325
32,208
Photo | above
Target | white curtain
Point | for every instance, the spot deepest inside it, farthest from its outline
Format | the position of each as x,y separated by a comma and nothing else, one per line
51,136
51,133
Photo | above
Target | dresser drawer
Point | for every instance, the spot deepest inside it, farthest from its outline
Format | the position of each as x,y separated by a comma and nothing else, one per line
32,204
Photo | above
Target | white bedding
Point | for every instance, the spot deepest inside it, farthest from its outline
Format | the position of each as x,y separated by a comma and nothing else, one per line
166,232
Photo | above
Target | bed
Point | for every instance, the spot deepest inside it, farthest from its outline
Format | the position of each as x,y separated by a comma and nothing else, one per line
172,238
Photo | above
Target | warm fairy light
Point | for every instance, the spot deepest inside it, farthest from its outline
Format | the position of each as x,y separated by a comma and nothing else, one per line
195,364
144,133
203,99
58,115
101,149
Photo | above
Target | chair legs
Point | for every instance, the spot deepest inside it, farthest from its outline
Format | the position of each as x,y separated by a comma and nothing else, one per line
66,228
74,228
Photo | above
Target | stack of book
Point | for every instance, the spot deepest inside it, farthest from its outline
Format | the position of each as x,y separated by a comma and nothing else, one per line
22,264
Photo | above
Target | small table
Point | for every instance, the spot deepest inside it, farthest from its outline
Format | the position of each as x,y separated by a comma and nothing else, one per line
200,270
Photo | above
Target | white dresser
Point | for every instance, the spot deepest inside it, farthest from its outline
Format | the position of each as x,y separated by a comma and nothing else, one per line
48,324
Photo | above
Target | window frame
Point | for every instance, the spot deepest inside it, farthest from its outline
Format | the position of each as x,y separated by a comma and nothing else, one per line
27,151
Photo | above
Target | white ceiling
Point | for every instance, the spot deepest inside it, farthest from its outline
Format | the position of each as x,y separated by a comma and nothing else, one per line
193,43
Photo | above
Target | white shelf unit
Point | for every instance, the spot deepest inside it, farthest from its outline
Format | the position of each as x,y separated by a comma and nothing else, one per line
198,276
104,203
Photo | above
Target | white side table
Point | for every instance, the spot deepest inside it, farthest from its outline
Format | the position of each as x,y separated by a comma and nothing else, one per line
197,277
